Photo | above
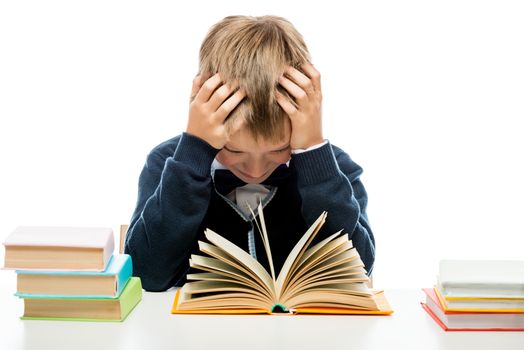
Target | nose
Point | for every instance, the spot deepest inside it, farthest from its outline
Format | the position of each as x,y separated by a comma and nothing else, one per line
256,168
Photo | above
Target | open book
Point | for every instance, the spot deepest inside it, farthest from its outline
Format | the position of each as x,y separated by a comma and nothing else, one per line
328,277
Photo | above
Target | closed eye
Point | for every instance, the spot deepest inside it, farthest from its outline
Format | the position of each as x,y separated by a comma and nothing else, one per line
232,151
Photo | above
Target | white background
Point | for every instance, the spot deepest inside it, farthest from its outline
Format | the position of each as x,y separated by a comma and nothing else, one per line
427,96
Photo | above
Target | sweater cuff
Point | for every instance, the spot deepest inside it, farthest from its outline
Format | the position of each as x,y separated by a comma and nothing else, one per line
316,166
195,152
302,150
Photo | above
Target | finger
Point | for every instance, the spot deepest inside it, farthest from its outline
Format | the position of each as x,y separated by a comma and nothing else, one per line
236,124
220,95
286,105
197,83
300,79
230,104
313,74
208,87
293,89
205,76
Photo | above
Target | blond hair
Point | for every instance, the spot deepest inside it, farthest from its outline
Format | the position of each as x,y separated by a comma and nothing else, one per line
254,52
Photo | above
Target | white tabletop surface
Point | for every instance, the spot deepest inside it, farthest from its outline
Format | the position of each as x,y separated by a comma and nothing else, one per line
151,326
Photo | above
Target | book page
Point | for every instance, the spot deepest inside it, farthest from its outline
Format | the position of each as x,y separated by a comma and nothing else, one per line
349,259
313,283
220,254
265,239
338,272
310,251
211,276
219,267
241,256
297,251
223,301
328,298
318,253
202,289
349,295
344,263
344,270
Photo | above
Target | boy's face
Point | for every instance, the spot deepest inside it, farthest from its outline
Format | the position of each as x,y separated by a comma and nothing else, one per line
253,161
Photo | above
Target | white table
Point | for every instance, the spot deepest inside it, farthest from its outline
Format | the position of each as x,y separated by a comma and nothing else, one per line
151,326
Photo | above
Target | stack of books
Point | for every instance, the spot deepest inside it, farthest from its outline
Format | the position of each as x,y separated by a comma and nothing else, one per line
478,295
71,273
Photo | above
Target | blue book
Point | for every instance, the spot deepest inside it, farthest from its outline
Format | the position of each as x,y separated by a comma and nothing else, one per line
76,284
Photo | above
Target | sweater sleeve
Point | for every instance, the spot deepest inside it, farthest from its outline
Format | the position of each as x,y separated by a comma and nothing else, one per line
329,180
173,197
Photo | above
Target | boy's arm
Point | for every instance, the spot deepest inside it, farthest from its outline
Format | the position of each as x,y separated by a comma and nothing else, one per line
329,180
175,189
173,197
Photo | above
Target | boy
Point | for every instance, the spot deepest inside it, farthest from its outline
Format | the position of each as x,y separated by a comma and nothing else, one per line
254,134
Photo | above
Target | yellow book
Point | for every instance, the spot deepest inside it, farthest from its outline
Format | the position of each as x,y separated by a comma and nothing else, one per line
326,278
484,305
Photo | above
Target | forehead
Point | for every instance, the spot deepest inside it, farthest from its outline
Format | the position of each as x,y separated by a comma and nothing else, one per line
243,140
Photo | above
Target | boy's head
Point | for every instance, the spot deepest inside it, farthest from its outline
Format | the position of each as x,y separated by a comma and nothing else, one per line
253,52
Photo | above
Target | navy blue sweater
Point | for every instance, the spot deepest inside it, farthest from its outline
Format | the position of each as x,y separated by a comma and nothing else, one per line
177,201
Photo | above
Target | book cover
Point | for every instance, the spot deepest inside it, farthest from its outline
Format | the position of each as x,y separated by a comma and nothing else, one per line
91,310
80,284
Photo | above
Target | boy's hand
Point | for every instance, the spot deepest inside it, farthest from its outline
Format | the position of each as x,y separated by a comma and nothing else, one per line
211,103
306,118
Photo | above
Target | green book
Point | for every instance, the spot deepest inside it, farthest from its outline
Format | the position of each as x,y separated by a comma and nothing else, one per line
85,309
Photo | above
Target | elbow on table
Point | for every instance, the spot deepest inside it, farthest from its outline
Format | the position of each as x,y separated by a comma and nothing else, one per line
153,283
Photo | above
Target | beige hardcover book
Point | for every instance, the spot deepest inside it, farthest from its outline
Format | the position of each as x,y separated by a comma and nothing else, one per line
326,278
66,284
59,248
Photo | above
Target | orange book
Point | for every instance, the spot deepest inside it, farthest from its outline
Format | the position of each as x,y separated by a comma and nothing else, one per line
326,278
384,309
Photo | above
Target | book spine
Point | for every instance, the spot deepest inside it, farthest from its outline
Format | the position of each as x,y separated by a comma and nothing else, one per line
108,250
124,275
130,297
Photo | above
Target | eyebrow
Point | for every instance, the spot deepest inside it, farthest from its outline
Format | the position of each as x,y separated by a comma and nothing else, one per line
274,150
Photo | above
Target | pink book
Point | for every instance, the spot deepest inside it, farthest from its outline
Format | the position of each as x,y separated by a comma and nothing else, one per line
59,248
470,321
